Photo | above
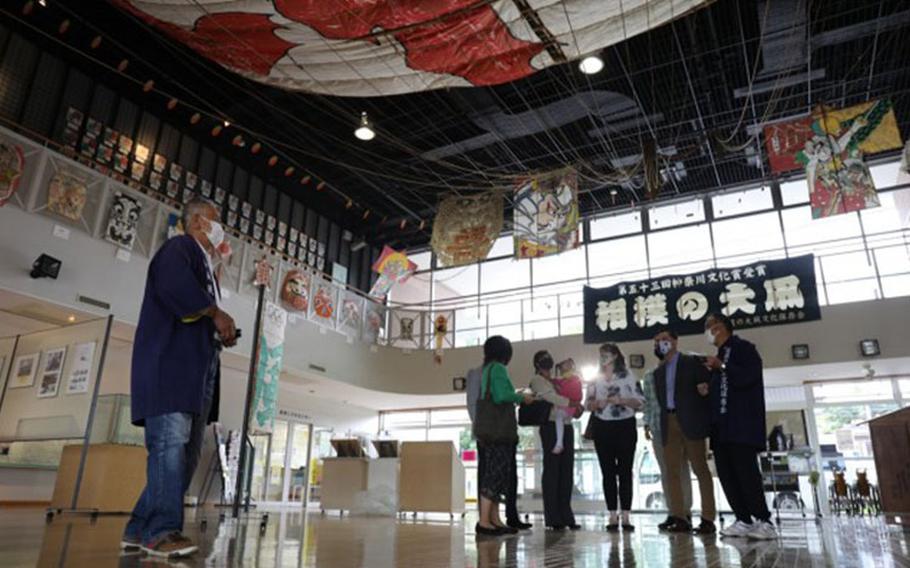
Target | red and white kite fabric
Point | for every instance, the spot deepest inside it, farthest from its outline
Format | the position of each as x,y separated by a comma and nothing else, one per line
387,47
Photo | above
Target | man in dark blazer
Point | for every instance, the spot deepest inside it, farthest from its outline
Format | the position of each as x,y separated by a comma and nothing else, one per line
685,415
175,376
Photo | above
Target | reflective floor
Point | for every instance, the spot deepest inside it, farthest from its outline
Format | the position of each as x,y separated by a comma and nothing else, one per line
292,539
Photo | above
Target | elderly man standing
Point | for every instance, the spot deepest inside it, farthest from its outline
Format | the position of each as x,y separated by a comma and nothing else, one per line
175,376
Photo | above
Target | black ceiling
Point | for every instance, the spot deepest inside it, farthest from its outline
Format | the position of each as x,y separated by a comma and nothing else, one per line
685,85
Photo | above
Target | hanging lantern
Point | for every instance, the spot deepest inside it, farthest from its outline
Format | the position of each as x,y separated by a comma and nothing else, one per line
403,224
216,130
124,63
195,118
96,42
440,329
320,186
305,180
349,204
64,25
289,171
256,147
148,86
172,104
366,214
237,141
423,224
273,160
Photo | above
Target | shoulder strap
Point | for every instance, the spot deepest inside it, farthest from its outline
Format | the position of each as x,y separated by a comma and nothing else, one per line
486,371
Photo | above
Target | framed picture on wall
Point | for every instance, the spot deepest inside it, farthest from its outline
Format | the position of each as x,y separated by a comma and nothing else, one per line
155,180
244,226
172,189
191,180
25,367
281,244
292,250
293,235
51,372
231,219
220,194
141,154
246,209
176,172
81,368
233,202
313,245
206,189
282,228
125,145
159,163
320,249
110,137
272,223
257,232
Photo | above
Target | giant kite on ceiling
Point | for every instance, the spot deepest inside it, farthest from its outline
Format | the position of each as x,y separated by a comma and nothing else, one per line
388,47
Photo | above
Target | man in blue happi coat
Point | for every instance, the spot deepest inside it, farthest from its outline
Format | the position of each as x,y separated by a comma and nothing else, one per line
175,376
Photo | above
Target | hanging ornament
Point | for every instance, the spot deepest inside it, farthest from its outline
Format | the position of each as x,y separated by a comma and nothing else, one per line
237,141
124,63
349,204
273,160
320,186
195,118
216,130
440,329
27,8
305,180
172,104
366,214
64,26
403,224
289,171
148,86
96,42
422,224
256,147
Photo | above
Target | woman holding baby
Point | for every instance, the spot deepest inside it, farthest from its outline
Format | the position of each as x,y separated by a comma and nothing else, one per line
557,437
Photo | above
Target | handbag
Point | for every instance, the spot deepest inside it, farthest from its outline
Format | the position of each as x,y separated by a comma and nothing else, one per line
535,414
494,423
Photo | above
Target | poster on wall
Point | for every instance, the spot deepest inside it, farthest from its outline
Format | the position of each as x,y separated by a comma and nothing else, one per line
67,194
295,290
268,371
123,223
350,314
50,374
324,302
373,322
393,267
81,368
466,227
25,367
74,119
546,218
830,146
765,293
12,163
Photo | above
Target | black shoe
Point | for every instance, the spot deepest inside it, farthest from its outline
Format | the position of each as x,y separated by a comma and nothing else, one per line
520,525
556,527
483,531
669,522
680,526
628,527
612,527
574,527
706,527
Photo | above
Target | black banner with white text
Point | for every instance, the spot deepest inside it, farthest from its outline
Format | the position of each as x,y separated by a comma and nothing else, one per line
764,293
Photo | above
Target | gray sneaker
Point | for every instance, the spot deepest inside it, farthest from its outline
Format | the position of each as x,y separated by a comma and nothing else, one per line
762,530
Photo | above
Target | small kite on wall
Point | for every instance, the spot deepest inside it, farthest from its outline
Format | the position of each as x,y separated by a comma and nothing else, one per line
393,268
12,163
546,216
67,194
123,223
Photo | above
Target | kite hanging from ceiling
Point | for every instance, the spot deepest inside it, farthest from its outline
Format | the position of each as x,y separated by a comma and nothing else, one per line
388,47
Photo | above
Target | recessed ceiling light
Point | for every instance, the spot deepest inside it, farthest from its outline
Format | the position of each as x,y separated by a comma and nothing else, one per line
365,132
591,65
71,318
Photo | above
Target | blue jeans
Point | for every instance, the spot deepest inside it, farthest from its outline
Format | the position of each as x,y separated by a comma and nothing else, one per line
174,443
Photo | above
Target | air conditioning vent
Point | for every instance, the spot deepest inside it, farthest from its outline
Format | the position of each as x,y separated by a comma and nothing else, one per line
94,302
317,368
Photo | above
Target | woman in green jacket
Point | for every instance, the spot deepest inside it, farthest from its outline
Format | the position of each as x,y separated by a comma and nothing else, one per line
497,463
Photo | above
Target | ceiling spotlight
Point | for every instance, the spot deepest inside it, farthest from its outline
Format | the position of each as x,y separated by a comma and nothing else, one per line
227,123
365,132
591,65
42,3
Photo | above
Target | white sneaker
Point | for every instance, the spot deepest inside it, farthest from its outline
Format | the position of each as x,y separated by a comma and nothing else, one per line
763,531
738,529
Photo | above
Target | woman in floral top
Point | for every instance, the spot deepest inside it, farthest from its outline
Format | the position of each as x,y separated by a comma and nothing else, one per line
613,399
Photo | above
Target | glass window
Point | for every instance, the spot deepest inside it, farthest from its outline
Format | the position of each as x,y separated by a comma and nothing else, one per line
618,257
615,225
905,390
794,192
449,417
848,391
470,338
541,329
404,419
505,274
508,312
569,265
840,233
887,217
503,246
896,286
471,318
540,309
885,175
573,325
421,259
414,290
455,282
571,304
737,203
850,266
680,250
753,234
893,259
677,214
856,291
511,332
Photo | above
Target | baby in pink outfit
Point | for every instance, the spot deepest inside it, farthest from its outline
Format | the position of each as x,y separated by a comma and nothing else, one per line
568,384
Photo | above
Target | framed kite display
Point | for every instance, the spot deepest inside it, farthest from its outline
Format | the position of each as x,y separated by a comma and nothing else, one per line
12,164
407,329
123,220
324,302
295,290
546,217
67,194
350,314
373,322
393,268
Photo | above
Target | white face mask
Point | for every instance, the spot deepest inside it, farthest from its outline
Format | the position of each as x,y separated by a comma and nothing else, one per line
664,347
215,234
709,336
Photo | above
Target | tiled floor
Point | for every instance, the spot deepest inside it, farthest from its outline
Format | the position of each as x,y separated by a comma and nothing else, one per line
292,539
